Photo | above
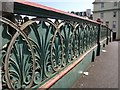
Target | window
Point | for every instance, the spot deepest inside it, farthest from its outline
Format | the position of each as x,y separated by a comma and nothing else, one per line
114,24
102,15
107,23
115,3
114,14
102,4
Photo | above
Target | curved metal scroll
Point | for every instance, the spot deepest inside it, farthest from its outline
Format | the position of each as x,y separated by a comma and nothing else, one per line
13,72
40,48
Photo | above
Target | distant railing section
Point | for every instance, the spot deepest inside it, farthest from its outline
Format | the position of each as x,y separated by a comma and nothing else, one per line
36,49
105,33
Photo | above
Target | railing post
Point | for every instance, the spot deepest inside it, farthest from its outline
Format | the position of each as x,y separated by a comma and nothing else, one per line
98,40
107,36
110,35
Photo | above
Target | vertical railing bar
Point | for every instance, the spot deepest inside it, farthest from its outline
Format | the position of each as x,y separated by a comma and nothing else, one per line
98,39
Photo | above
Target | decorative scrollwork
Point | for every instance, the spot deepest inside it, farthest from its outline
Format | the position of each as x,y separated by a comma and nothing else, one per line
18,64
103,32
48,46
5,37
66,32
40,36
34,50
79,32
74,42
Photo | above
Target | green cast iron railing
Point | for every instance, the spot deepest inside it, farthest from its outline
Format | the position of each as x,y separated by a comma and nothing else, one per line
35,49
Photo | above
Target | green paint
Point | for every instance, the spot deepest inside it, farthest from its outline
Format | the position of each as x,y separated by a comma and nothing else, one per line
69,79
55,45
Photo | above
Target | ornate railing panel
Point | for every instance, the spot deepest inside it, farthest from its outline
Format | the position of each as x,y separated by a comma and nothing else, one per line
34,50
103,32
18,61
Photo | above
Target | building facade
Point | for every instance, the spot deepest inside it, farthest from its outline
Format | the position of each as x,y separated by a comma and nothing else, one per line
86,14
109,13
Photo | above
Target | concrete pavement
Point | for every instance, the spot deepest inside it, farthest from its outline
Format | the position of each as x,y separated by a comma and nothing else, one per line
103,72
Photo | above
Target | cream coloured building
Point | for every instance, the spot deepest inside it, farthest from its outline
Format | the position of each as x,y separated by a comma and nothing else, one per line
109,12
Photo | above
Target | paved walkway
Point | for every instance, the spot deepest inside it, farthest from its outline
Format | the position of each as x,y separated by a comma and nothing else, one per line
103,73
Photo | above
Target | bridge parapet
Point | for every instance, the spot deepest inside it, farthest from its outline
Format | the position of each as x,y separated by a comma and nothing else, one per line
39,42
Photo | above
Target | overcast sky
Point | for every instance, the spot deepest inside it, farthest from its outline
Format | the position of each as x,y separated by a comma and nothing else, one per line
67,5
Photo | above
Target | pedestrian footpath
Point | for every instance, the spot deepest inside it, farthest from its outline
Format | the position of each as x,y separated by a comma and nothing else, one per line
103,72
